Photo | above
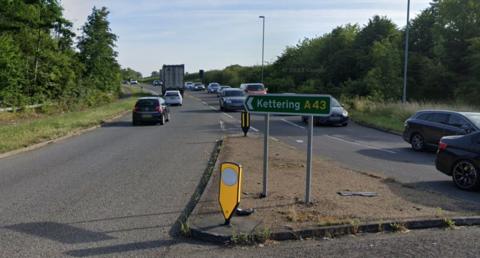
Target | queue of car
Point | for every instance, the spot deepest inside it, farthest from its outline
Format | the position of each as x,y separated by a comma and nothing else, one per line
455,135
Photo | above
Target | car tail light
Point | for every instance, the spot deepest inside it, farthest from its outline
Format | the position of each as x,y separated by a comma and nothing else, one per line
135,109
442,146
158,109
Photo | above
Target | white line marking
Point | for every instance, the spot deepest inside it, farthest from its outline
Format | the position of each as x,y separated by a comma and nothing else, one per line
360,144
222,125
228,115
299,141
292,123
204,103
254,129
213,108
273,138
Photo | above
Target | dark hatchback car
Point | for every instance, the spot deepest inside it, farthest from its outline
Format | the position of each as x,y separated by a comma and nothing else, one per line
425,128
459,157
150,109
338,116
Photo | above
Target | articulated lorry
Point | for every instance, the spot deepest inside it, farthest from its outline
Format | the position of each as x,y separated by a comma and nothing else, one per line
171,77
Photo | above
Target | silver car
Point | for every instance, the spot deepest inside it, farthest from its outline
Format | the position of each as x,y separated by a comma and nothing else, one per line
232,99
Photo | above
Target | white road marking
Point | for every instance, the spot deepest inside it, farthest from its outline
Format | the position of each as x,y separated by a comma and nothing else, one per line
222,125
360,144
254,129
299,141
213,108
204,103
273,138
228,115
292,123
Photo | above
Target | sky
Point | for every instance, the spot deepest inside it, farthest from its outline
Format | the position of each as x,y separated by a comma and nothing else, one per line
212,34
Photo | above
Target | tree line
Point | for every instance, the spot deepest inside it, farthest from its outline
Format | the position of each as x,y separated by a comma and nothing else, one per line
40,60
367,61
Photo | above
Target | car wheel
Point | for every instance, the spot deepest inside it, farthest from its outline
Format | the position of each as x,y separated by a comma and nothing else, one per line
465,175
162,120
418,142
134,122
344,124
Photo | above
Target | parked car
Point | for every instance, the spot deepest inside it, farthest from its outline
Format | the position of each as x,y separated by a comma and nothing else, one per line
150,109
189,85
232,99
198,86
425,128
173,97
222,87
459,156
213,87
338,115
253,88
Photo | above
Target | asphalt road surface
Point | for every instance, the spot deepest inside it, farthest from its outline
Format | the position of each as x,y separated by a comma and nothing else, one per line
118,191
355,147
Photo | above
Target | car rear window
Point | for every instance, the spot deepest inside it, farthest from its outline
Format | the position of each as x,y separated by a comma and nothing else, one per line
474,118
255,87
147,103
169,94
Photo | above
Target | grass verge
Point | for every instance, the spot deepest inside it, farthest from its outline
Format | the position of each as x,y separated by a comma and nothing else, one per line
391,116
26,133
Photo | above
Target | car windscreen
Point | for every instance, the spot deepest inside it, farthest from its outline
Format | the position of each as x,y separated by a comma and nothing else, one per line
171,94
335,103
255,87
233,93
147,103
474,118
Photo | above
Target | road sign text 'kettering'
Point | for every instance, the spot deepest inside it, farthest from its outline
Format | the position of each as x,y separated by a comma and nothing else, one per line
283,104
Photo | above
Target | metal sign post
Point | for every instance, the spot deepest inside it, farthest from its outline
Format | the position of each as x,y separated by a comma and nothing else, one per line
296,104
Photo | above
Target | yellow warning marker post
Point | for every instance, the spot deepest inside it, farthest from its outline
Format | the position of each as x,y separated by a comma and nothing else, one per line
245,122
230,189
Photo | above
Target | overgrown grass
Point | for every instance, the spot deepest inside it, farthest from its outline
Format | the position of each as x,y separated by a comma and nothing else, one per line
392,115
26,133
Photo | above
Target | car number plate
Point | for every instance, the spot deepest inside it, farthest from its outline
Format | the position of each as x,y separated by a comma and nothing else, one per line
146,116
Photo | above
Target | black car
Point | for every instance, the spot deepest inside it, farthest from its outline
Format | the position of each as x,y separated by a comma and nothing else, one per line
150,109
425,128
459,157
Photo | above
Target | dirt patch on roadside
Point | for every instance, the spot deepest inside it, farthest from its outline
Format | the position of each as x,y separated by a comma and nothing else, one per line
284,206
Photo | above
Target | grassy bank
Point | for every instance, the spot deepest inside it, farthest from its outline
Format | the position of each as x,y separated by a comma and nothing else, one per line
25,133
392,115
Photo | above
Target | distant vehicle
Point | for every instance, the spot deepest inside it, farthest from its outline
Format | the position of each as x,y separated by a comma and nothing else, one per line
150,109
459,156
198,86
189,85
253,88
232,99
172,78
133,82
156,83
222,87
425,128
213,87
173,97
338,115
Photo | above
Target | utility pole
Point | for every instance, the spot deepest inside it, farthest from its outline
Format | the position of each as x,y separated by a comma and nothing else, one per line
263,43
405,69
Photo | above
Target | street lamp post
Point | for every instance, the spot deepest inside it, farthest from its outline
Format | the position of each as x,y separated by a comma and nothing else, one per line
405,71
263,42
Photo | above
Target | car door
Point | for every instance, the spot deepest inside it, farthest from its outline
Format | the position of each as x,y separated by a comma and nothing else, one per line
435,128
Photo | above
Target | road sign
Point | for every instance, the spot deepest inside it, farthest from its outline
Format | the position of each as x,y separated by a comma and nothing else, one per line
230,189
245,122
294,104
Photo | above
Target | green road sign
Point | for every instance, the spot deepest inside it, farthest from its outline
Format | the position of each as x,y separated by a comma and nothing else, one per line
294,104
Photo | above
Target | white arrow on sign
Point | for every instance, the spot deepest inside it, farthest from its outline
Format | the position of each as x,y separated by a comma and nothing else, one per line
249,103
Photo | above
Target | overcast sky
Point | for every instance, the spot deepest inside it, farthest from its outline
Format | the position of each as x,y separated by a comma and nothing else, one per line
212,34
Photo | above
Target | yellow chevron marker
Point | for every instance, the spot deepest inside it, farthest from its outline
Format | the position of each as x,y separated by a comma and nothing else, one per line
230,187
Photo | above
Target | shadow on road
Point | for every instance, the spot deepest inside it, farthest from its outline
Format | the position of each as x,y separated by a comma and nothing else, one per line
118,124
62,233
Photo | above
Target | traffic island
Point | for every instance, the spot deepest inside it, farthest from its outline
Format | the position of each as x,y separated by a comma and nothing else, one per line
343,201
